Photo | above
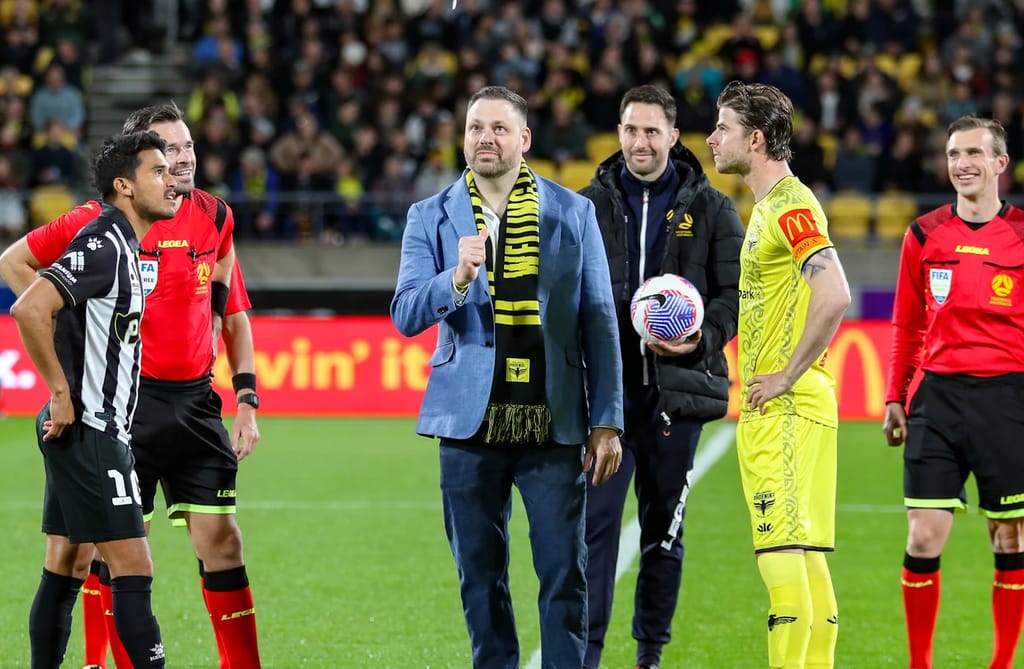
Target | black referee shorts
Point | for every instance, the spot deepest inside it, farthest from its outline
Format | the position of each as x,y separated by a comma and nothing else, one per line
180,441
961,424
91,493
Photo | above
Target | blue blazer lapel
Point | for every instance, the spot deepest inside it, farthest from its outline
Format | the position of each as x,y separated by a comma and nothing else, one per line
550,239
458,209
459,212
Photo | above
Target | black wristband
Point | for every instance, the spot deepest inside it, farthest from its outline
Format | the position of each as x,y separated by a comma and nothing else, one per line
219,298
244,380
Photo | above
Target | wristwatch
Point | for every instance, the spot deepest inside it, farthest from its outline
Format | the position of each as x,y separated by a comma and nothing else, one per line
252,399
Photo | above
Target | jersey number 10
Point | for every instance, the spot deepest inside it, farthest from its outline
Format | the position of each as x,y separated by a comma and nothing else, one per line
122,498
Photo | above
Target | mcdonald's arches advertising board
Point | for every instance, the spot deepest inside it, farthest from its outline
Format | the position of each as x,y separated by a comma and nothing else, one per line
361,366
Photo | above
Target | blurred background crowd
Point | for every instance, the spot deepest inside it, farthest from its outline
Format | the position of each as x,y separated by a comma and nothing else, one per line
324,119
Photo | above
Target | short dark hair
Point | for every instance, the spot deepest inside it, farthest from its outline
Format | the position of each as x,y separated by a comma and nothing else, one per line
501,93
119,157
651,95
765,108
972,122
143,119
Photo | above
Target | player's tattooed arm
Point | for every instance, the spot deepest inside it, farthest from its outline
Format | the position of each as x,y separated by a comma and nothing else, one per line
830,292
830,297
821,261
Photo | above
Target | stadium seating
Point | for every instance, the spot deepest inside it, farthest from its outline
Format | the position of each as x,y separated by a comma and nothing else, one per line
849,216
575,174
715,36
894,211
887,63
545,168
602,145
7,8
68,139
829,145
730,184
49,202
907,68
768,35
697,142
697,43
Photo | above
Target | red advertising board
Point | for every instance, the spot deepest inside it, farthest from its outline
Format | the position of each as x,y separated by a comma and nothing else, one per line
361,366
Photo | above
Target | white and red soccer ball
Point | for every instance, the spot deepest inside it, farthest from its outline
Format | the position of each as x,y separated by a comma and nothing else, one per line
666,308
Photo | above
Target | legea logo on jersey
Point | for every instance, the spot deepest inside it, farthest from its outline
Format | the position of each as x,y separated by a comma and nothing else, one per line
202,273
939,281
149,270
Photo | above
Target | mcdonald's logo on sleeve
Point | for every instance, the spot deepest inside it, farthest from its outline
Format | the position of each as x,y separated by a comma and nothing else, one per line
802,232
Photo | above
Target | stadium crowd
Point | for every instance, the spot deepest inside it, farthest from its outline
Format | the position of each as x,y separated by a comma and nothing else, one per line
361,101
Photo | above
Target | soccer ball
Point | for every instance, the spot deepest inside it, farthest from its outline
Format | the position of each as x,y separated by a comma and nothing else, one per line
666,308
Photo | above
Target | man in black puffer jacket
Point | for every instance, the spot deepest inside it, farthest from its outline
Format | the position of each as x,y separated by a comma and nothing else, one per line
658,214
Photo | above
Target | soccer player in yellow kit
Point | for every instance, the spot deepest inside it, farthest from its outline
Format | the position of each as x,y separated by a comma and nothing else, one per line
793,295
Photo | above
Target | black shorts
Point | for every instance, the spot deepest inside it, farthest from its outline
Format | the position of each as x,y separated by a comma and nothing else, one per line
179,440
92,493
961,424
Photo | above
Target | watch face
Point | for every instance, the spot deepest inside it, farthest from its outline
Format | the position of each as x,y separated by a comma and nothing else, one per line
251,399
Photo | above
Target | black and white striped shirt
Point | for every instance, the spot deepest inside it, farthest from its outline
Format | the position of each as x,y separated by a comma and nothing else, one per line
97,333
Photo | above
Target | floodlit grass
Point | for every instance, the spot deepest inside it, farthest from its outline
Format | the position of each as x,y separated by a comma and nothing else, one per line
350,567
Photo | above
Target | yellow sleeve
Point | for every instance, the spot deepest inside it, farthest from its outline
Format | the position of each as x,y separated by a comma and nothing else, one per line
800,230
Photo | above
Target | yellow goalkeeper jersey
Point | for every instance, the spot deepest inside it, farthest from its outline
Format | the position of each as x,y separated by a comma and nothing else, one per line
786,228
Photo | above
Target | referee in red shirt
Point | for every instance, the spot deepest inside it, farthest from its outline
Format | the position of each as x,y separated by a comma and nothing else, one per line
959,317
178,437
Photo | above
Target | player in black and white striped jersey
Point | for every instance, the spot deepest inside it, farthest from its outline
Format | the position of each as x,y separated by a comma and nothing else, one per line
98,335
90,361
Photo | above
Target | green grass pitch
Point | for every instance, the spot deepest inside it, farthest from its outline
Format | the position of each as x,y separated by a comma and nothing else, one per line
350,568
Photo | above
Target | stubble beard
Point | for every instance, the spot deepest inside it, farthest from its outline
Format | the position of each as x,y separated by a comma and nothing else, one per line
490,169
652,168
183,187
733,166
153,214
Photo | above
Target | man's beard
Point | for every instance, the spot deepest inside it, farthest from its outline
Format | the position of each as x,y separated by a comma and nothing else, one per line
163,213
181,188
652,166
491,169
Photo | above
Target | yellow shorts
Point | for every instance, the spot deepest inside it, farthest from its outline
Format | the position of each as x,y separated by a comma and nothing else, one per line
788,469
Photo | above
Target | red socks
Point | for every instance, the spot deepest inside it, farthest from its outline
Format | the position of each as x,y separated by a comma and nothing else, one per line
1007,608
94,622
229,601
921,588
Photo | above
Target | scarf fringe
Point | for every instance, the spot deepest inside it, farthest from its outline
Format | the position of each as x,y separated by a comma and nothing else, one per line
517,424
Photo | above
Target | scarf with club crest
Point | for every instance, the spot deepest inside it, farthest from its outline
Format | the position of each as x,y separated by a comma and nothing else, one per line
517,412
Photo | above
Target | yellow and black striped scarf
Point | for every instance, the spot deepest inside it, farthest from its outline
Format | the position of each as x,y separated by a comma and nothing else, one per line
518,411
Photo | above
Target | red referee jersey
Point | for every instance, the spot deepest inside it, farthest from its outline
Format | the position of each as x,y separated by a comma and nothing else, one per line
177,258
959,298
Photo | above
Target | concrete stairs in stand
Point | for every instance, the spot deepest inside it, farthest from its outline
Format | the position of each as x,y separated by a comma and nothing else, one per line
136,80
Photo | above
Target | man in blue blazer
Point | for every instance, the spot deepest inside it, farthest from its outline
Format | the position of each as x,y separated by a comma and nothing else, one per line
526,372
